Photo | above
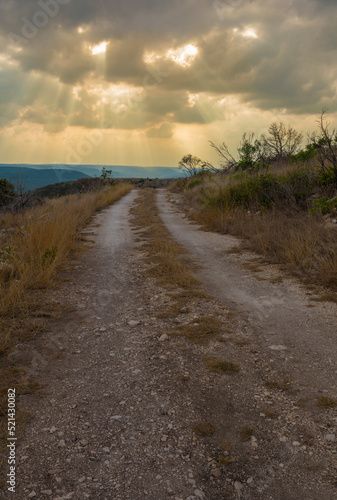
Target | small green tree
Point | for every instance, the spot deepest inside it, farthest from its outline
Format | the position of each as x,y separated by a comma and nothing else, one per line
305,155
191,165
250,154
106,174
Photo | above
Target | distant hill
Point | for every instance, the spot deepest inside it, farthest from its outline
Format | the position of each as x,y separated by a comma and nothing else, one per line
145,172
89,184
118,171
33,178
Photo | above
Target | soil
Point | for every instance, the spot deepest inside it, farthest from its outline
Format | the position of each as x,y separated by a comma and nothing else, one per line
128,414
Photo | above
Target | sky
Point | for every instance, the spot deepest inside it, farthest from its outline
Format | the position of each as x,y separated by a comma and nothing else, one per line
145,82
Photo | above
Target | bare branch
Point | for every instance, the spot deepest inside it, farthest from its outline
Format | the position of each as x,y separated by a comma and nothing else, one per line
229,162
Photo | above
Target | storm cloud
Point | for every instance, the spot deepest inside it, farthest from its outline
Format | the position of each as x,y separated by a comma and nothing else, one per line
158,67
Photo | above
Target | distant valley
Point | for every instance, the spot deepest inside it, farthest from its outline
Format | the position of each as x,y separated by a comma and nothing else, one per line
37,176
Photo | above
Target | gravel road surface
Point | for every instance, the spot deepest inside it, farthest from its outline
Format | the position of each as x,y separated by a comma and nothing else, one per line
120,404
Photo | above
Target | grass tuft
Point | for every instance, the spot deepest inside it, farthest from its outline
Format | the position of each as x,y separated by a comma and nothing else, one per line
283,385
202,331
270,414
326,402
226,460
246,433
217,366
204,429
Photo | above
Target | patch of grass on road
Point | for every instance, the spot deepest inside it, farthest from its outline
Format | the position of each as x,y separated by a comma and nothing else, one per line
283,384
169,263
163,253
246,433
201,331
204,429
221,367
326,402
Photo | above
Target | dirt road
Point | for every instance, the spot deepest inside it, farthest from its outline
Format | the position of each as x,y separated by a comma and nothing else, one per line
301,338
118,413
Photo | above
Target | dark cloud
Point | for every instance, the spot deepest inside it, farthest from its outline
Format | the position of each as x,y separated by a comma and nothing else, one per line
290,65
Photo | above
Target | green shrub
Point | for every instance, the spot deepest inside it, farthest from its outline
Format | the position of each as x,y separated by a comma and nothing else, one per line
195,183
323,206
304,155
327,177
300,183
260,191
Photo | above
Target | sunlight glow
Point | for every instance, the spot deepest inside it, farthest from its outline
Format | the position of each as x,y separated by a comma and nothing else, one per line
99,49
249,33
151,57
184,56
111,91
192,100
6,60
76,92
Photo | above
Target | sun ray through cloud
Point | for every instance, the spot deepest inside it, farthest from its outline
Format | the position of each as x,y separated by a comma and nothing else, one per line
132,68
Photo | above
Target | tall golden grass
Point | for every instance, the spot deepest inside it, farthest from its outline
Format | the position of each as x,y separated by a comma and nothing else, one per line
301,243
38,242
34,246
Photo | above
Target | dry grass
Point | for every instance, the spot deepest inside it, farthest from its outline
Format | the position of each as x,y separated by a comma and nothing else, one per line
173,270
202,331
284,384
242,342
246,433
221,367
269,414
204,429
169,270
225,460
299,242
287,234
168,262
326,297
235,250
326,402
34,246
227,446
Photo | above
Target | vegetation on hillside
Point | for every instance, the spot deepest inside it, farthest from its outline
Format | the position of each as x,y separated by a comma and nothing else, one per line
280,198
14,195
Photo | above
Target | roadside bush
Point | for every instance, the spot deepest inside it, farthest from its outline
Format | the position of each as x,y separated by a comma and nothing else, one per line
327,177
323,206
260,192
300,182
195,183
304,155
